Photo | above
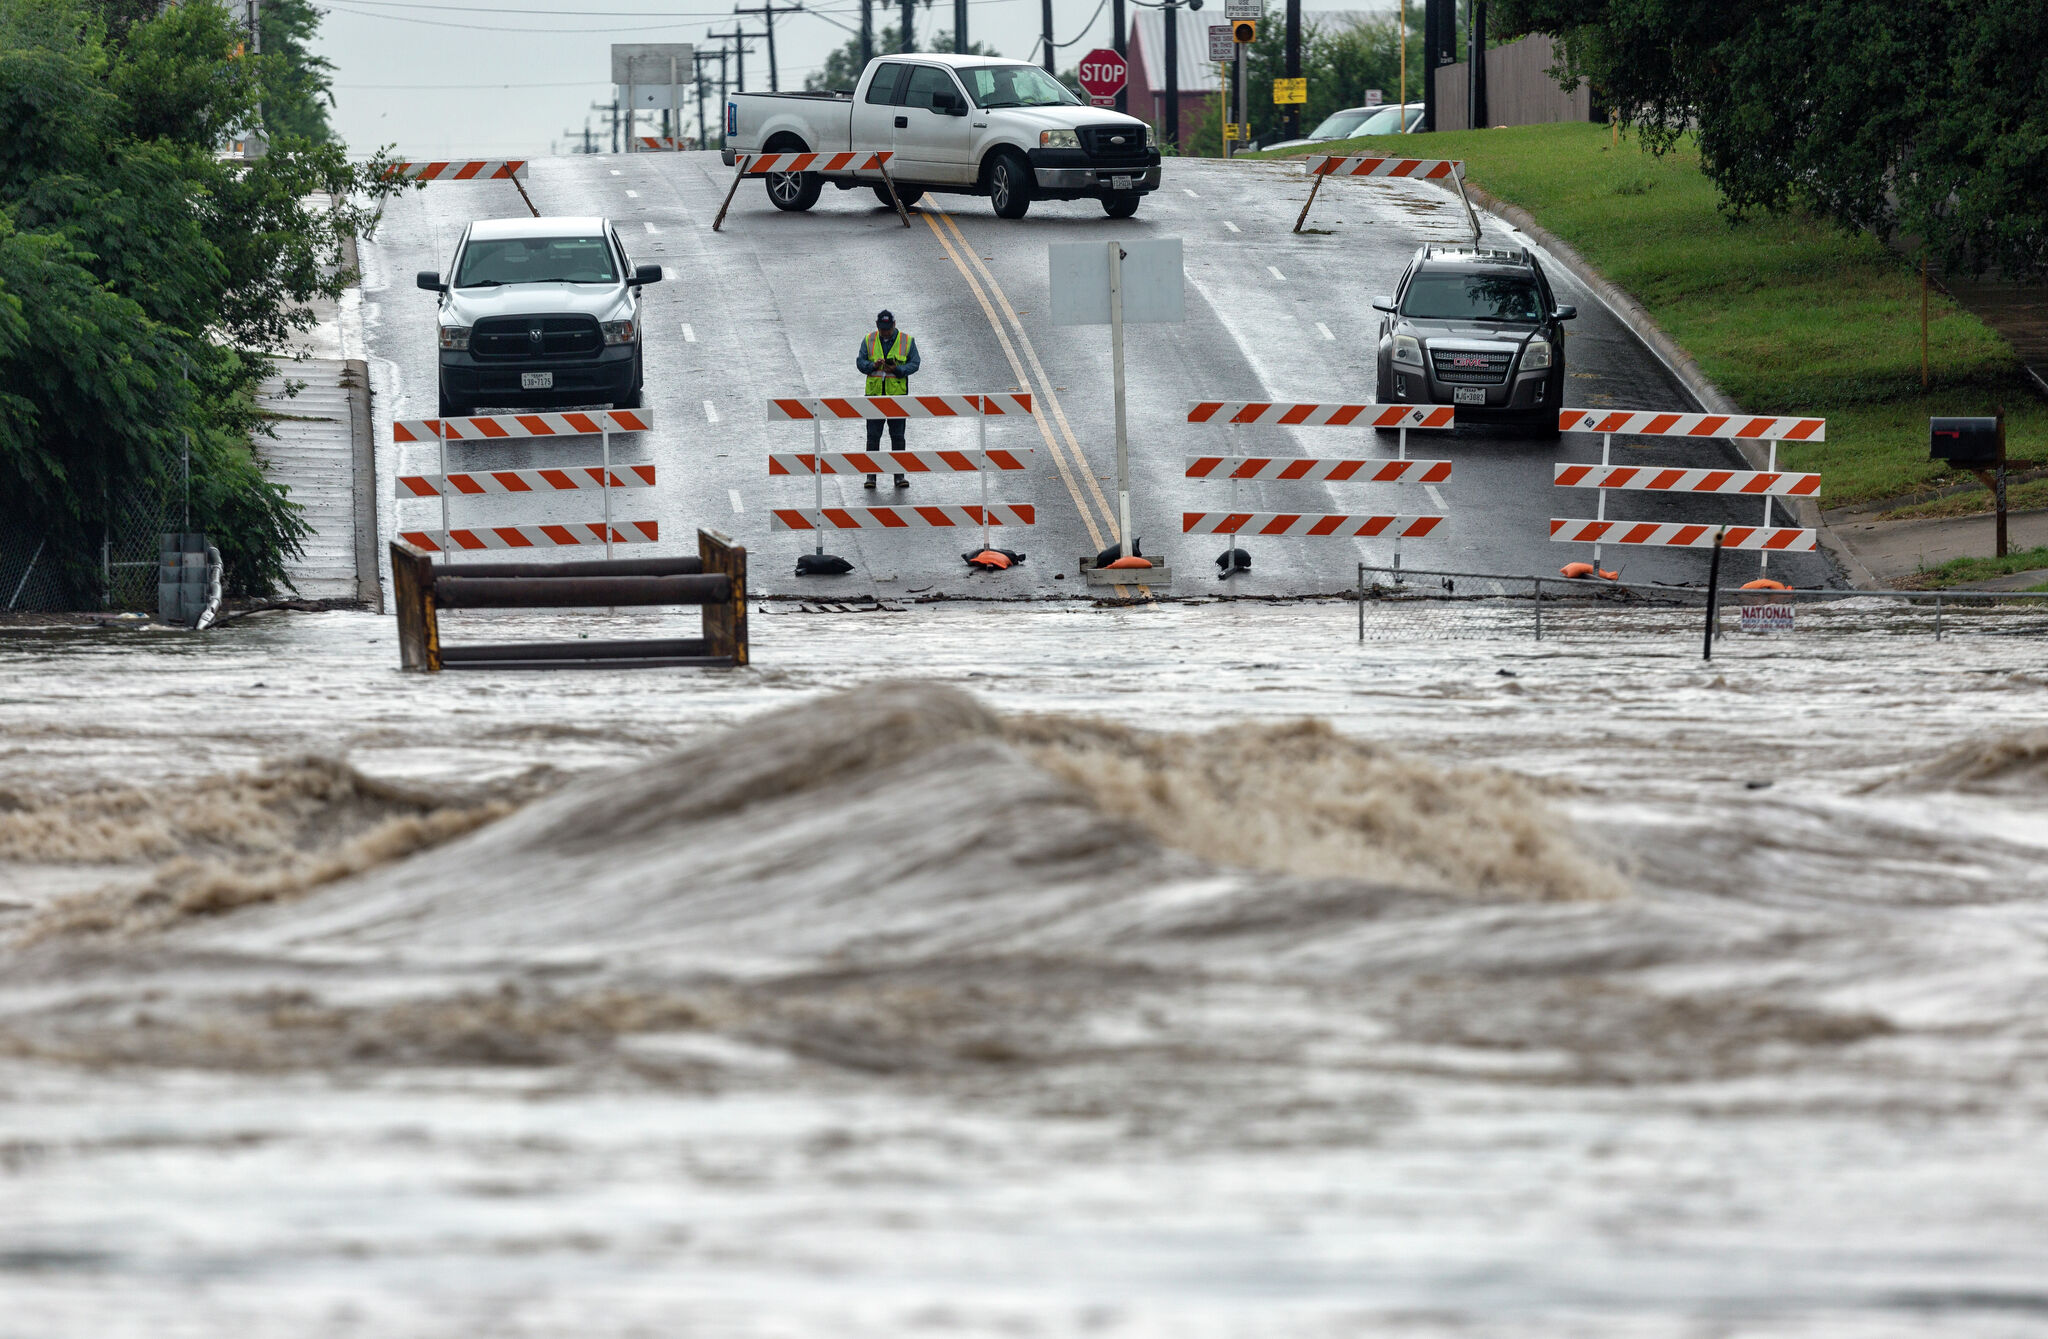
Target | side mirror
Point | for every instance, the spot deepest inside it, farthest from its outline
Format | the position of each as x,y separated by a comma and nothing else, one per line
1566,313
1383,303
430,280
647,274
947,104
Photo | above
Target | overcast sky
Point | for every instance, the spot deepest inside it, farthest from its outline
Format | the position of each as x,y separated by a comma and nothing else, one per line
465,78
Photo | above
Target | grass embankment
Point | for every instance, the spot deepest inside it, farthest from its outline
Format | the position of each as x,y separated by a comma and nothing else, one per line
1970,571
1785,314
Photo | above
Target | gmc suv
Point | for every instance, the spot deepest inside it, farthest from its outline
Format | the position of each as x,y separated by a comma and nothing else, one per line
1475,327
540,313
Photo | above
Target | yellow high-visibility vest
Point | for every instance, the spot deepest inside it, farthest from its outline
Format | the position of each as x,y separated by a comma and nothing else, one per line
899,351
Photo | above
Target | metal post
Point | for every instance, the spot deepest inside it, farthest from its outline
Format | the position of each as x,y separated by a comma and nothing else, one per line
1117,43
1763,561
605,487
1539,609
1600,513
22,584
1241,118
960,42
675,105
1475,71
981,438
909,33
1171,137
441,442
1361,602
1292,127
1713,591
1116,355
1937,615
867,32
1045,17
632,112
1403,448
818,478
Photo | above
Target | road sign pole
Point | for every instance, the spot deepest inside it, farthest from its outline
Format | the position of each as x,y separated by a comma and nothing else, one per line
1116,362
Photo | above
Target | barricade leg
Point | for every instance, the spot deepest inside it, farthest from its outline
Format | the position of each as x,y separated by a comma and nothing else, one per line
1302,218
739,175
725,625
894,198
605,487
412,589
1763,557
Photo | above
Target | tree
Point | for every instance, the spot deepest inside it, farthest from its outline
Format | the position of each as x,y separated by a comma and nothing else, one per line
1926,119
1340,62
145,280
842,67
302,90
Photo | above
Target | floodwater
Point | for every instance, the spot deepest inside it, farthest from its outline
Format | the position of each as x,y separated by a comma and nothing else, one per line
1025,970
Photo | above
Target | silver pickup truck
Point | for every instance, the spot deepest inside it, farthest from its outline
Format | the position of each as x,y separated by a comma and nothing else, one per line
964,125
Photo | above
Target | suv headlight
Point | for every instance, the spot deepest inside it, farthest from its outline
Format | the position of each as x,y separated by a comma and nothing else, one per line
1535,355
1408,349
1058,139
454,336
620,332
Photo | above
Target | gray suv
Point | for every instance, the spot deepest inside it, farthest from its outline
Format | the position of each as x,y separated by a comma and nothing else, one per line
1478,328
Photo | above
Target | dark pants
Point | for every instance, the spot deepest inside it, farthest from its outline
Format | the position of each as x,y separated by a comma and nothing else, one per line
896,426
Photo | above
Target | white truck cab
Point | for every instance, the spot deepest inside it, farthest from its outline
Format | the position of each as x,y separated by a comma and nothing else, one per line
968,125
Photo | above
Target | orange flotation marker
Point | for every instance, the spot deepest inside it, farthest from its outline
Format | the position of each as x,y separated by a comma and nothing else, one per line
989,559
1580,571
1130,562
1765,583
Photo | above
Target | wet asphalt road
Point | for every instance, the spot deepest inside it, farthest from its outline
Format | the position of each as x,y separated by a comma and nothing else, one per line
775,304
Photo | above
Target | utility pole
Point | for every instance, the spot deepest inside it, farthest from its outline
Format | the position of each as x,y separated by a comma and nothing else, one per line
739,38
1116,44
703,58
611,108
960,43
767,10
1439,48
1475,69
722,94
1045,14
867,33
909,25
1170,13
1292,120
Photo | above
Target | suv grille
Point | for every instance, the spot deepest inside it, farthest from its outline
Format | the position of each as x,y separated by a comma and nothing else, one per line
1462,367
510,337
1096,141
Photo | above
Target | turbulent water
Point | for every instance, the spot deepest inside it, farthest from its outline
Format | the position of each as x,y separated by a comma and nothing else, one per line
1189,971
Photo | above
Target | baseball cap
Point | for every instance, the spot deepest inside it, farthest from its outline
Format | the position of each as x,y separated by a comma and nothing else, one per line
885,316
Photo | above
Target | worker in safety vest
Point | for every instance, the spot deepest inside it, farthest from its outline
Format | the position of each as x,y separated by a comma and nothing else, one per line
889,358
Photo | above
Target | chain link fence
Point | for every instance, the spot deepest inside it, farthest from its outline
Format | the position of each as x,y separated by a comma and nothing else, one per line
40,573
1407,604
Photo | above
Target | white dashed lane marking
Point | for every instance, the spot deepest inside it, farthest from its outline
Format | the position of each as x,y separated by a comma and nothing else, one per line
615,172
1434,496
689,335
734,494
632,195
710,412
1324,331
1232,226
652,230
1189,194
1274,270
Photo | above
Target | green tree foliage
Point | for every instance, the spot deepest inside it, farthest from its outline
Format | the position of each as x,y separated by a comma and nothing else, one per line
1340,62
144,279
302,89
841,69
1921,118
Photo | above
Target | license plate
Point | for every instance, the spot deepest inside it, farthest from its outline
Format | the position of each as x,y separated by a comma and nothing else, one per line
536,381
1471,395
1120,183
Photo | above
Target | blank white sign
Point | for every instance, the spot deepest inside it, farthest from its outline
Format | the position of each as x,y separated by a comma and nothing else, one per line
1152,285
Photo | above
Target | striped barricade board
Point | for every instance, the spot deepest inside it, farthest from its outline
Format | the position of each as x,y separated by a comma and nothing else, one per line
501,427
898,462
472,169
902,518
1756,483
1368,165
1264,468
1306,526
1285,415
1655,423
857,161
531,536
525,481
805,408
1769,539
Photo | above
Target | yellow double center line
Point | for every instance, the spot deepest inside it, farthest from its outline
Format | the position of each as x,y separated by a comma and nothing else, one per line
1075,472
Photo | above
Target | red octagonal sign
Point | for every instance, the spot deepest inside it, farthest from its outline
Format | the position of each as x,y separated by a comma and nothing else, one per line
1102,73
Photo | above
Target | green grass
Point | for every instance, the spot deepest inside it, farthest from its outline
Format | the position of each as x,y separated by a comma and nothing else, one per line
1785,314
2029,496
1962,571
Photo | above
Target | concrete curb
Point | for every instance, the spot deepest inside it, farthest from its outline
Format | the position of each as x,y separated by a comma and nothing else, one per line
1680,364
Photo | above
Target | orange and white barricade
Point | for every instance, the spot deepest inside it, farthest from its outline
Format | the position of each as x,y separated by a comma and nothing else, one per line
818,462
1393,168
832,164
561,479
1231,414
468,169
1608,477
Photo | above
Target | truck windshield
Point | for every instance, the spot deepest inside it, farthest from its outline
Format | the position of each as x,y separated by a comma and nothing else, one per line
1016,86
488,263
1472,297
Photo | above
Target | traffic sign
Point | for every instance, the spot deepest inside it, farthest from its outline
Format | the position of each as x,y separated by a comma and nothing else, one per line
1221,45
1374,97
1102,74
1243,9
1289,90
1244,31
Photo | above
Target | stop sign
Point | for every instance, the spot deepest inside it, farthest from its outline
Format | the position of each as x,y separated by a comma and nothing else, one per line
1102,73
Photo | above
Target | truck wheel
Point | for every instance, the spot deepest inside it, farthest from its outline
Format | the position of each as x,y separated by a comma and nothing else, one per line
910,195
1121,204
794,191
1010,185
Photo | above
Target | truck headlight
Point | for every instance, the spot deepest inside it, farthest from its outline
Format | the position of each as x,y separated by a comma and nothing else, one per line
1535,355
1408,349
454,336
619,332
1058,139
1151,136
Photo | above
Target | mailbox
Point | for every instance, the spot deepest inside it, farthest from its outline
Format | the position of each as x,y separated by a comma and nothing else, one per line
1970,442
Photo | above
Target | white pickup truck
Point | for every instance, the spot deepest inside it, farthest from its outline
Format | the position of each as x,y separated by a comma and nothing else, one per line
965,125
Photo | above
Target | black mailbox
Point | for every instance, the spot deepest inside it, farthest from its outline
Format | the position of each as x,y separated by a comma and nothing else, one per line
1963,441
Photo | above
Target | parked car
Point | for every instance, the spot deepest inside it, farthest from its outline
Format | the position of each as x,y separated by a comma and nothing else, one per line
1355,121
1478,328
540,313
964,125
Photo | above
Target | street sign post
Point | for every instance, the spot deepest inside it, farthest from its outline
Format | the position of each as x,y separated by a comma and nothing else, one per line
1102,74
636,64
1114,283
